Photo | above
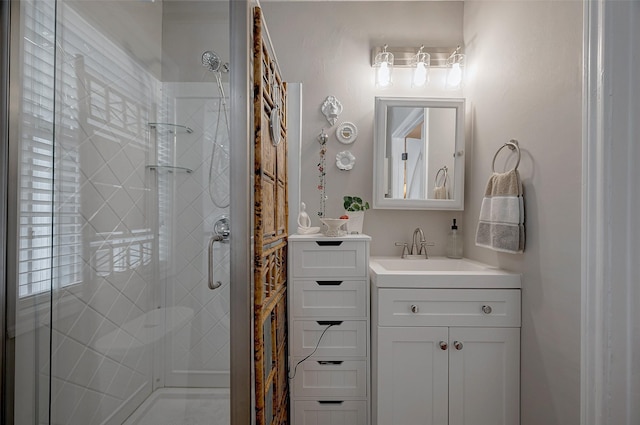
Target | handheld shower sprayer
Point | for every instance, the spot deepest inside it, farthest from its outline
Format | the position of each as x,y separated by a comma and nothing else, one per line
213,63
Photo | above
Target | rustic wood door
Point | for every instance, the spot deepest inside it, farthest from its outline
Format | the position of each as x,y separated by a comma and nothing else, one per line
270,233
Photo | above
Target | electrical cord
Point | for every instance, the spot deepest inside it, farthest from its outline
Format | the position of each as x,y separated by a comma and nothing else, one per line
314,350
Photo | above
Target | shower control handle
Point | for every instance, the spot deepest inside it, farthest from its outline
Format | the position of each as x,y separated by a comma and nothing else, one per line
214,239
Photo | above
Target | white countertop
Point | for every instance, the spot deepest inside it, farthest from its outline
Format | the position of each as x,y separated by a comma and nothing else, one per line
321,237
439,272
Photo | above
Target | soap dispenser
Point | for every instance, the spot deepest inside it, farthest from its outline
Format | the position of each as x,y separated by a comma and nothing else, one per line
454,244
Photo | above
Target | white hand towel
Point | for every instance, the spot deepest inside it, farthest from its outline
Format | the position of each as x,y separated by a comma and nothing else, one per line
440,192
501,223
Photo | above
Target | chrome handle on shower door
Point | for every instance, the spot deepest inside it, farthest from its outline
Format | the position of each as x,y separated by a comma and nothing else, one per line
212,284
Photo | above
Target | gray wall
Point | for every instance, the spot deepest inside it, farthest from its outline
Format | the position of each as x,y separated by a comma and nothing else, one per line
527,86
326,46
523,82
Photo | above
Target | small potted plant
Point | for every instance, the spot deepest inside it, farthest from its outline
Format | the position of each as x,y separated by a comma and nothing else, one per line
355,207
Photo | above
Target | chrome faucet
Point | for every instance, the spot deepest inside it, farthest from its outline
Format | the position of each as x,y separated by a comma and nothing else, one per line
418,247
414,247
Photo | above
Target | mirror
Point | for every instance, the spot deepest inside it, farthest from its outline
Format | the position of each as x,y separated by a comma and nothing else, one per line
418,160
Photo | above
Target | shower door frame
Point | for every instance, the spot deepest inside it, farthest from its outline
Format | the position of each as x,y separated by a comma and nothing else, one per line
241,209
5,37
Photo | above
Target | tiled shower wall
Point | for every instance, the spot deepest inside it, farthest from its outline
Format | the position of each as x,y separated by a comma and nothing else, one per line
197,352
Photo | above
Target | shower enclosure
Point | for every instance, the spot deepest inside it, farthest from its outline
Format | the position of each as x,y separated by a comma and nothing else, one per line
118,242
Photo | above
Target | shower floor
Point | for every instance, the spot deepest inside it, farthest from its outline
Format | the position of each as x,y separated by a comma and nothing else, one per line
183,406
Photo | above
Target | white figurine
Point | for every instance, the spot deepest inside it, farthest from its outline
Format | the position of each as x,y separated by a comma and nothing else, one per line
303,218
304,222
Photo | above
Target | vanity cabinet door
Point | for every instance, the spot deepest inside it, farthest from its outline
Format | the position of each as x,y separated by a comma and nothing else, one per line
484,376
412,376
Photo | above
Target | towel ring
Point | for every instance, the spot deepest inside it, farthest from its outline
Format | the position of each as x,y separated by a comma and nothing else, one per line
444,170
511,144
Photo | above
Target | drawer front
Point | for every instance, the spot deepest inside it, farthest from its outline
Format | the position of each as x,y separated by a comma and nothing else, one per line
330,412
329,259
449,307
330,378
329,298
348,338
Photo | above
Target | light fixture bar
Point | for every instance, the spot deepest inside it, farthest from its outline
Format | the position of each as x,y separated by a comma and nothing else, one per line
403,56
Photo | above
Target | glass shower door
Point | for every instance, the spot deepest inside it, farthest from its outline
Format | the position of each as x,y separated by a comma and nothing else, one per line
197,341
30,266
120,132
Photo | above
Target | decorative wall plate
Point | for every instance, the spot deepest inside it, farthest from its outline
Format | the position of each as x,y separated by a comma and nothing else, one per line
345,160
347,132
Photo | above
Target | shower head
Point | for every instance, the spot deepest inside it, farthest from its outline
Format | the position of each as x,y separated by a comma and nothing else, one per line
213,63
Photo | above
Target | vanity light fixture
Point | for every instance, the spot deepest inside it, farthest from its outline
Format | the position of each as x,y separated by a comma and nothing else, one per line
421,64
383,59
455,63
383,63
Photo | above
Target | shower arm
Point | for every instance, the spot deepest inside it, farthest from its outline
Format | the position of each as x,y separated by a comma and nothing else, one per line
214,239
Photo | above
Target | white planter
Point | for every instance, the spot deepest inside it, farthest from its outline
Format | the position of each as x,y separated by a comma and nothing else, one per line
356,221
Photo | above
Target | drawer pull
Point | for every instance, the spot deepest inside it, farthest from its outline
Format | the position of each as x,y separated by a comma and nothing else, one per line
329,243
329,362
329,322
486,309
414,308
329,282
458,345
330,401
443,345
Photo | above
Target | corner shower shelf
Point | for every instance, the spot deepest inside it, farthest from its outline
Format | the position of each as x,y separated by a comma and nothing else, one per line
169,169
171,128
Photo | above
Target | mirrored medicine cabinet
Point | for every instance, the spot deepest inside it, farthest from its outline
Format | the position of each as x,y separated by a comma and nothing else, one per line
418,160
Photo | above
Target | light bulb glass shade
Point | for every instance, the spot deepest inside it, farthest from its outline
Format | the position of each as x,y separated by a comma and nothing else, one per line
421,65
455,72
383,65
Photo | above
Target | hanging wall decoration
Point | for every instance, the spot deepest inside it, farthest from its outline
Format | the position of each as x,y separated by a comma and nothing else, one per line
331,108
322,139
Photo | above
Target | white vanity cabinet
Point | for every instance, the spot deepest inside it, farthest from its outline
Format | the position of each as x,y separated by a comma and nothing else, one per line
445,356
329,302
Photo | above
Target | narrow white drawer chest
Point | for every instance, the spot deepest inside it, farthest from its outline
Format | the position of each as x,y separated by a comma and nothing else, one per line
329,317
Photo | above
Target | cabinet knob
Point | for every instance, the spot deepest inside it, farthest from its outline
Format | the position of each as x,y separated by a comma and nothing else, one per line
414,308
458,345
443,345
486,309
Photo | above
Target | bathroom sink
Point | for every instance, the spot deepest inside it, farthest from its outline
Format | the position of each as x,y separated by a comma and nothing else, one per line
430,265
438,272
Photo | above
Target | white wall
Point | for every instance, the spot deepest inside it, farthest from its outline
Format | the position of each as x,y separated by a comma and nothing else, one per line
524,83
526,59
189,28
327,47
133,25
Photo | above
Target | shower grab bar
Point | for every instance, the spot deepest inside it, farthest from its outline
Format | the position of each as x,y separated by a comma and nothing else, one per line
214,239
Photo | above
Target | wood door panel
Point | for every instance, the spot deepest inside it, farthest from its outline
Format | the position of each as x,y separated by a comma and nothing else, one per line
270,238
